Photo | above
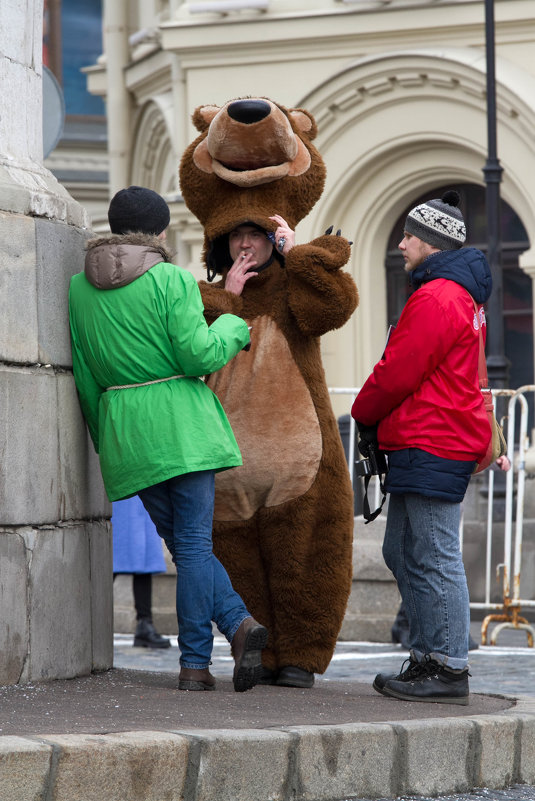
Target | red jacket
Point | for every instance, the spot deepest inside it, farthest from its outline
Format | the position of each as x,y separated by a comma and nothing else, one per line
425,390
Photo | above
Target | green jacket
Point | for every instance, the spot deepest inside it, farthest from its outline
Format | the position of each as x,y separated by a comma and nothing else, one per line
135,318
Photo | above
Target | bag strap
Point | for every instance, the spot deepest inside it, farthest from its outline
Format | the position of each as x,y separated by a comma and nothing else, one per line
367,514
482,362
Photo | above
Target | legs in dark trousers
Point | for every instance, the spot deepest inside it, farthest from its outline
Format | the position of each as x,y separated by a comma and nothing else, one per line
146,635
142,586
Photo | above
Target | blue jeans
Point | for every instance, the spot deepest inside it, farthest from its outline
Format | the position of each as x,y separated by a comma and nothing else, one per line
182,509
422,549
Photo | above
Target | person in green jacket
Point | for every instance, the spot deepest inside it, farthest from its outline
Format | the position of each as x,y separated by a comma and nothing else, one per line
140,349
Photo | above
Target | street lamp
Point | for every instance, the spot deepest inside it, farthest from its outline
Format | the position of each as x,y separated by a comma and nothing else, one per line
497,363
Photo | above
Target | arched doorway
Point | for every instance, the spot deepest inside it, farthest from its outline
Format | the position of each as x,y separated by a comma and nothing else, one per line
517,285
388,131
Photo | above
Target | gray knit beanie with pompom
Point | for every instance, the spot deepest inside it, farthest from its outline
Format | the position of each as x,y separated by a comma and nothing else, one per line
438,222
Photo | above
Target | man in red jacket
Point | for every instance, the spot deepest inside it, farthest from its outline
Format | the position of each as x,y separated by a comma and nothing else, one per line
422,405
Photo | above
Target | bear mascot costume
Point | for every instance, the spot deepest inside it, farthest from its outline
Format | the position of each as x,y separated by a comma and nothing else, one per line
283,522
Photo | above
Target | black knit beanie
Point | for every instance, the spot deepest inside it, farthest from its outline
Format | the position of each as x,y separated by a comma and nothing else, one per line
438,222
138,209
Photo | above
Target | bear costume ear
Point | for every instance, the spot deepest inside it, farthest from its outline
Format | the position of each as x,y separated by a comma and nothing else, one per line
203,116
304,122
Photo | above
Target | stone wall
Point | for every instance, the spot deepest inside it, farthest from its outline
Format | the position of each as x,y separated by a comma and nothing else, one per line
55,538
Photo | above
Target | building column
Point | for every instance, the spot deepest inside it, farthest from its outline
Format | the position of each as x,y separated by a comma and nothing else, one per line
55,539
526,262
118,100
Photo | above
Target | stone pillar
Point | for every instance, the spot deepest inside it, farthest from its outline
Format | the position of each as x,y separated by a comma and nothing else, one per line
118,101
527,263
55,539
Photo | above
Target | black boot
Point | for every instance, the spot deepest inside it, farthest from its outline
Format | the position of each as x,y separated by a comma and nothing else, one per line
412,670
292,676
267,676
433,684
146,635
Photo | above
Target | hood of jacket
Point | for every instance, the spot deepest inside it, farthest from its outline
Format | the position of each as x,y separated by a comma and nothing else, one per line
466,266
117,260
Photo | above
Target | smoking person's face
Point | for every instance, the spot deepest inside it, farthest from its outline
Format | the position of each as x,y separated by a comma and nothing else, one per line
246,239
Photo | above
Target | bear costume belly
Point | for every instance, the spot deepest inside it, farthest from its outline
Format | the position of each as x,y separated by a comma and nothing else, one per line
275,423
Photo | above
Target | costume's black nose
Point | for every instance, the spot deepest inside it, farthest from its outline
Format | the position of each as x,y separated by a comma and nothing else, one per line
248,111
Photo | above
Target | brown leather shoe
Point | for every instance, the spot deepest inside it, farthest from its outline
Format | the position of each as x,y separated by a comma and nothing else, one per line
191,679
246,648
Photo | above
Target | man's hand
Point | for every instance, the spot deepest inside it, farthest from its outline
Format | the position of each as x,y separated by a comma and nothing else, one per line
238,275
503,463
367,438
284,236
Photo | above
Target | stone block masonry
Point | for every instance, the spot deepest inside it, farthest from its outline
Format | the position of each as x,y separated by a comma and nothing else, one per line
56,608
55,538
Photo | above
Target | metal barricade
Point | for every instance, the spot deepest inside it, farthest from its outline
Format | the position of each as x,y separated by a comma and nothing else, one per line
506,612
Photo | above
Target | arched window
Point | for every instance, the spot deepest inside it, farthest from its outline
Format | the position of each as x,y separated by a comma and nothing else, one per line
517,286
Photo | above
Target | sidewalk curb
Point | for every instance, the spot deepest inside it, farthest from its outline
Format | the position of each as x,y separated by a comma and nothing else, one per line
294,763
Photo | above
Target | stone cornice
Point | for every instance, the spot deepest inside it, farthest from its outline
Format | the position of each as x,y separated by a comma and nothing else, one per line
422,75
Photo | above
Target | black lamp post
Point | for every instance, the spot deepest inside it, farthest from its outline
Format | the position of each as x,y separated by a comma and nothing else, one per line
497,363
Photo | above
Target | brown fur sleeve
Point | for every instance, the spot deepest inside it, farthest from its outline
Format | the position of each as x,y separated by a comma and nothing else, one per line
217,301
321,296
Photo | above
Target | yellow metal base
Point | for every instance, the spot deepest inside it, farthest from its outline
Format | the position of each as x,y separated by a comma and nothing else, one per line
512,620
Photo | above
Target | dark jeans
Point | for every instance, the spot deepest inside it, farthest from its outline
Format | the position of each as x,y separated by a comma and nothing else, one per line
422,549
182,509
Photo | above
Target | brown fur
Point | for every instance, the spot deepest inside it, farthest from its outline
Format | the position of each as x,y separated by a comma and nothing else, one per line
283,523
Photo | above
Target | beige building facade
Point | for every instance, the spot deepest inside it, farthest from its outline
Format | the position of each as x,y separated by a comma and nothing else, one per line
398,89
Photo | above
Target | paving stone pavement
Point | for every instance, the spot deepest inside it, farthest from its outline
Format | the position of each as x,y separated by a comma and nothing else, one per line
517,793
507,668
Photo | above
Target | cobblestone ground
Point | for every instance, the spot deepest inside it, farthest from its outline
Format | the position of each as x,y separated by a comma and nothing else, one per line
507,669
516,793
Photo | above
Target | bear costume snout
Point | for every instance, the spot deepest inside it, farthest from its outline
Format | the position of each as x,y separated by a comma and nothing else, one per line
251,141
